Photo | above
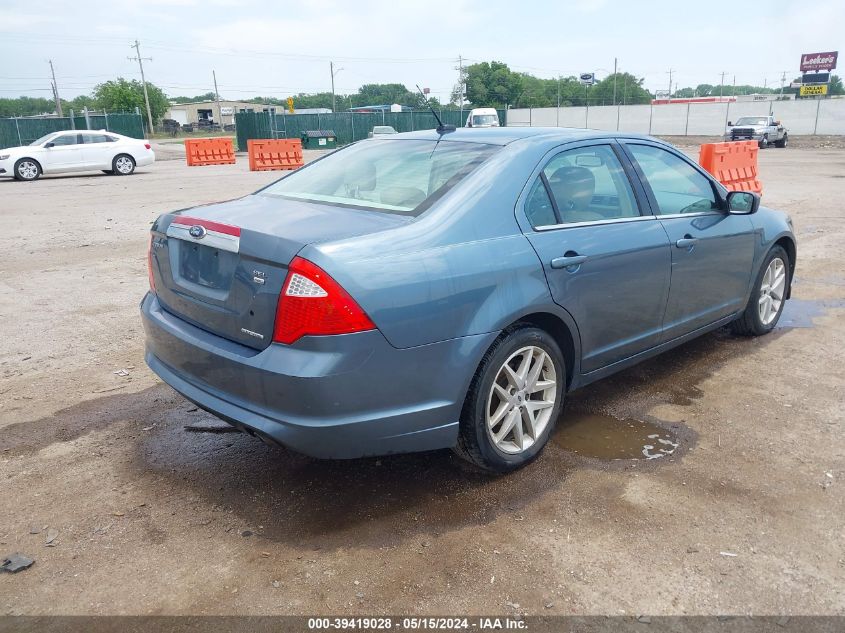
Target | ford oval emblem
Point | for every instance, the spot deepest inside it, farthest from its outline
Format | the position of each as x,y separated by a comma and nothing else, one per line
197,232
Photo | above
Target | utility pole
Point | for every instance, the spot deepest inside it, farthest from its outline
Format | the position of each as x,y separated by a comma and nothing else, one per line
782,81
140,60
217,96
670,82
614,81
722,86
56,90
331,70
461,86
557,112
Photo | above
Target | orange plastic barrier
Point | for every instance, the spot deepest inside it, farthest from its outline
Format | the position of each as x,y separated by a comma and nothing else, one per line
266,154
733,164
209,151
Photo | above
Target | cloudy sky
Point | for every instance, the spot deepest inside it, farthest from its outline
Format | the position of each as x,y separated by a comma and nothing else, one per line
279,48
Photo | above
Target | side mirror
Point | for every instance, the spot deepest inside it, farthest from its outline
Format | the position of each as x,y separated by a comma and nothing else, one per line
49,145
730,123
743,202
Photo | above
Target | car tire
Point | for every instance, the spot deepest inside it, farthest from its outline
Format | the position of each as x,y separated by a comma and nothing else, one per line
484,437
782,142
764,308
27,169
123,165
764,142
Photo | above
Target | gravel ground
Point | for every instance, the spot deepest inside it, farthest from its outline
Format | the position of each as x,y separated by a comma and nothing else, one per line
143,517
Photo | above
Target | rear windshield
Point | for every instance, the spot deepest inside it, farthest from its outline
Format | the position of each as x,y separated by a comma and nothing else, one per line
394,176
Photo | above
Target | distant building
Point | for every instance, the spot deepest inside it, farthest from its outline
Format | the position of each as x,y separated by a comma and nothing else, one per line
197,111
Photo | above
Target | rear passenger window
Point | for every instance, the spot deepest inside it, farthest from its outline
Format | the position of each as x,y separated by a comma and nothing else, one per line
677,186
585,184
94,138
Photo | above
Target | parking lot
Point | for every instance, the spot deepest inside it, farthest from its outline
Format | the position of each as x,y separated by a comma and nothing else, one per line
146,517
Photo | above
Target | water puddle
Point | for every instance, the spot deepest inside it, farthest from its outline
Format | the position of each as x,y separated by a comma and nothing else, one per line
604,437
799,313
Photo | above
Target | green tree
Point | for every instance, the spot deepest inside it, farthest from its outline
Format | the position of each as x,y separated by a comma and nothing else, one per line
207,96
26,106
493,84
629,89
836,87
120,94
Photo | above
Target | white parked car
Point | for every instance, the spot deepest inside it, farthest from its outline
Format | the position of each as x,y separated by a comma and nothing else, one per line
382,130
76,150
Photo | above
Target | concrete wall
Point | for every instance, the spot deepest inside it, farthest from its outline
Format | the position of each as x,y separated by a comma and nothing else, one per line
801,117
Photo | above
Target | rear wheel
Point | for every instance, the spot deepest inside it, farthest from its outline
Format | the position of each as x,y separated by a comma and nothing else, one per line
768,298
123,164
782,142
27,169
513,402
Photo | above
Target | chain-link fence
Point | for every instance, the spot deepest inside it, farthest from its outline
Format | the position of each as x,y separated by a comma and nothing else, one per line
23,130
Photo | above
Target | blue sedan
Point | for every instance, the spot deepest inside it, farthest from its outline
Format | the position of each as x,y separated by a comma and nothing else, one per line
448,288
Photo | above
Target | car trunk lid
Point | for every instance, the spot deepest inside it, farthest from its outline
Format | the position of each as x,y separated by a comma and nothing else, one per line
221,267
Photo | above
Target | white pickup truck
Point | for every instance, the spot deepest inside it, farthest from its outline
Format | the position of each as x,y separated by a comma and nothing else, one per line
766,130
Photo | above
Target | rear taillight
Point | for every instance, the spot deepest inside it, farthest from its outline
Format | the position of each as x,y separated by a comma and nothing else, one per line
150,264
148,146
314,304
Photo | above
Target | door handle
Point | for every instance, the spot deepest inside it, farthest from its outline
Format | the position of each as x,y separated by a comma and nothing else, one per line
688,241
568,261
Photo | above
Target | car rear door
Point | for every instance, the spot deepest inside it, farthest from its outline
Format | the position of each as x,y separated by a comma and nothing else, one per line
97,151
712,250
65,154
607,262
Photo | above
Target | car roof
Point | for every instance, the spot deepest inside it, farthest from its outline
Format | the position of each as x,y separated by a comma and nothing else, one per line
506,135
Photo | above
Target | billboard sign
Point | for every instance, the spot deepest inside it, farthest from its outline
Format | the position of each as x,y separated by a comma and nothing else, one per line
814,62
814,91
588,79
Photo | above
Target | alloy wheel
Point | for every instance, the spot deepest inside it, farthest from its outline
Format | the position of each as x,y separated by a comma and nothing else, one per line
28,170
772,291
123,165
521,400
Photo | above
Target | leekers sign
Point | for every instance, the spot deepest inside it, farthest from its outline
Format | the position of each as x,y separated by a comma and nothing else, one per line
813,62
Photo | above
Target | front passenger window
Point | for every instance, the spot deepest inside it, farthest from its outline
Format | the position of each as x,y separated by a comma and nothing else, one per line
677,186
66,139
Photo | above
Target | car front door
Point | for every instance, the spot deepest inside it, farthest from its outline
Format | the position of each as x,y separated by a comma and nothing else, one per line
63,154
712,250
606,263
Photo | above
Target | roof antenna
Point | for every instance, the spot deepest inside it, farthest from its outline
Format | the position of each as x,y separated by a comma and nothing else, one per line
441,129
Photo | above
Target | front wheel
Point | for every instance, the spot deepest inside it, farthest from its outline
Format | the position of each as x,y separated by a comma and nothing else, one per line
768,297
123,164
27,169
514,401
764,142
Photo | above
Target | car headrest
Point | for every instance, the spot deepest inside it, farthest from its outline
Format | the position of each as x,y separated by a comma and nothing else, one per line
361,177
573,188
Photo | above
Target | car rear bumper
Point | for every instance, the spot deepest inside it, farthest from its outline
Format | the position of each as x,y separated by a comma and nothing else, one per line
147,158
332,397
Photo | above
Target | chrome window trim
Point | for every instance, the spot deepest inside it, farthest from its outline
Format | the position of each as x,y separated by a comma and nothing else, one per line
552,227
566,225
